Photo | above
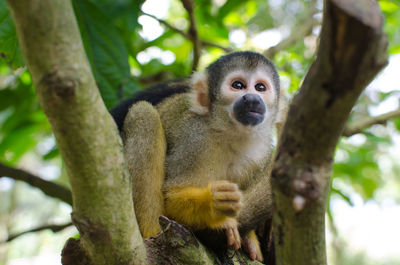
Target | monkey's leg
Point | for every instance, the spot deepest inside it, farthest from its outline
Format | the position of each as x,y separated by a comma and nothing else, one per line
145,149
212,207
257,205
257,201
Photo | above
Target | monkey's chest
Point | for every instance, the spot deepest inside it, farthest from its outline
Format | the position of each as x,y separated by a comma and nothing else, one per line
213,162
242,165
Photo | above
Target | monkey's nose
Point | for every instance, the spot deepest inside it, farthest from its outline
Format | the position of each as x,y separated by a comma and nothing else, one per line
249,109
251,99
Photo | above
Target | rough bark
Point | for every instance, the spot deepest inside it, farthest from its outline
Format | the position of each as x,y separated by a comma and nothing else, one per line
176,244
351,52
85,132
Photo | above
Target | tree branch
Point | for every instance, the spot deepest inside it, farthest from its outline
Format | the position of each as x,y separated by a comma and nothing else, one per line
53,227
86,134
166,24
175,244
351,52
186,35
193,34
362,124
297,34
47,187
210,44
306,26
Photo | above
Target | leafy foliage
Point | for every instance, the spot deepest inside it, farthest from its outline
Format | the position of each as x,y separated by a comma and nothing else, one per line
9,49
106,52
23,121
391,10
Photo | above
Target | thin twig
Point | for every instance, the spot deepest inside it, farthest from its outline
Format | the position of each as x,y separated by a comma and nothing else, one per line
53,227
47,187
193,33
362,124
298,34
305,28
209,44
166,24
186,35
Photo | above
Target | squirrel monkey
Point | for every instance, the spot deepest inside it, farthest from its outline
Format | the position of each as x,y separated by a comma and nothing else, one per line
198,150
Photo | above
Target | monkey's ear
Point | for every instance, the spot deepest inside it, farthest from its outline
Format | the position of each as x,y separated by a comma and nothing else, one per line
200,100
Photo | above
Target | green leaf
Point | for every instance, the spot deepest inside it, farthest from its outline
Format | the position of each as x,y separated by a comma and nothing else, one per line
106,52
9,49
52,153
263,18
345,197
7,99
124,13
389,6
14,145
394,49
230,6
377,139
396,122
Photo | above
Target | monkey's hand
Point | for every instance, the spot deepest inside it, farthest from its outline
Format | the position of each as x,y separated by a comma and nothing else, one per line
252,246
226,198
214,206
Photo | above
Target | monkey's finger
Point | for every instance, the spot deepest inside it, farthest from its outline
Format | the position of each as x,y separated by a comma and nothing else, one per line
224,186
234,196
228,208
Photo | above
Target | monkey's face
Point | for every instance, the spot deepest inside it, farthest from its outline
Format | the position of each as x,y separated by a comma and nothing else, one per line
249,97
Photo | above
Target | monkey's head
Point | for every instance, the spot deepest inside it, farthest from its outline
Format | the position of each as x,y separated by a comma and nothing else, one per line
241,88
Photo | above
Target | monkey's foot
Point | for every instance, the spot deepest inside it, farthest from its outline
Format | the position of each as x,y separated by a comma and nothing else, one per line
252,246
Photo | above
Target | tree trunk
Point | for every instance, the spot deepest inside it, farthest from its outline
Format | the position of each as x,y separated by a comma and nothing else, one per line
351,52
85,132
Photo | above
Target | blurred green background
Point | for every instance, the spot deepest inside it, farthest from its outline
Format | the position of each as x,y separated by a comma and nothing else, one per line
133,44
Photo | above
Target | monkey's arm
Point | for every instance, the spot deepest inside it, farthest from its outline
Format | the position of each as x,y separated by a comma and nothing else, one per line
214,206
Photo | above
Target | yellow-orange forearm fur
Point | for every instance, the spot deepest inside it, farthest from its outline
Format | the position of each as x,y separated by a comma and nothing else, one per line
193,206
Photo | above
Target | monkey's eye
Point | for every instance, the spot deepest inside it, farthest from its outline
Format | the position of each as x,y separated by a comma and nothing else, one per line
238,85
261,87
